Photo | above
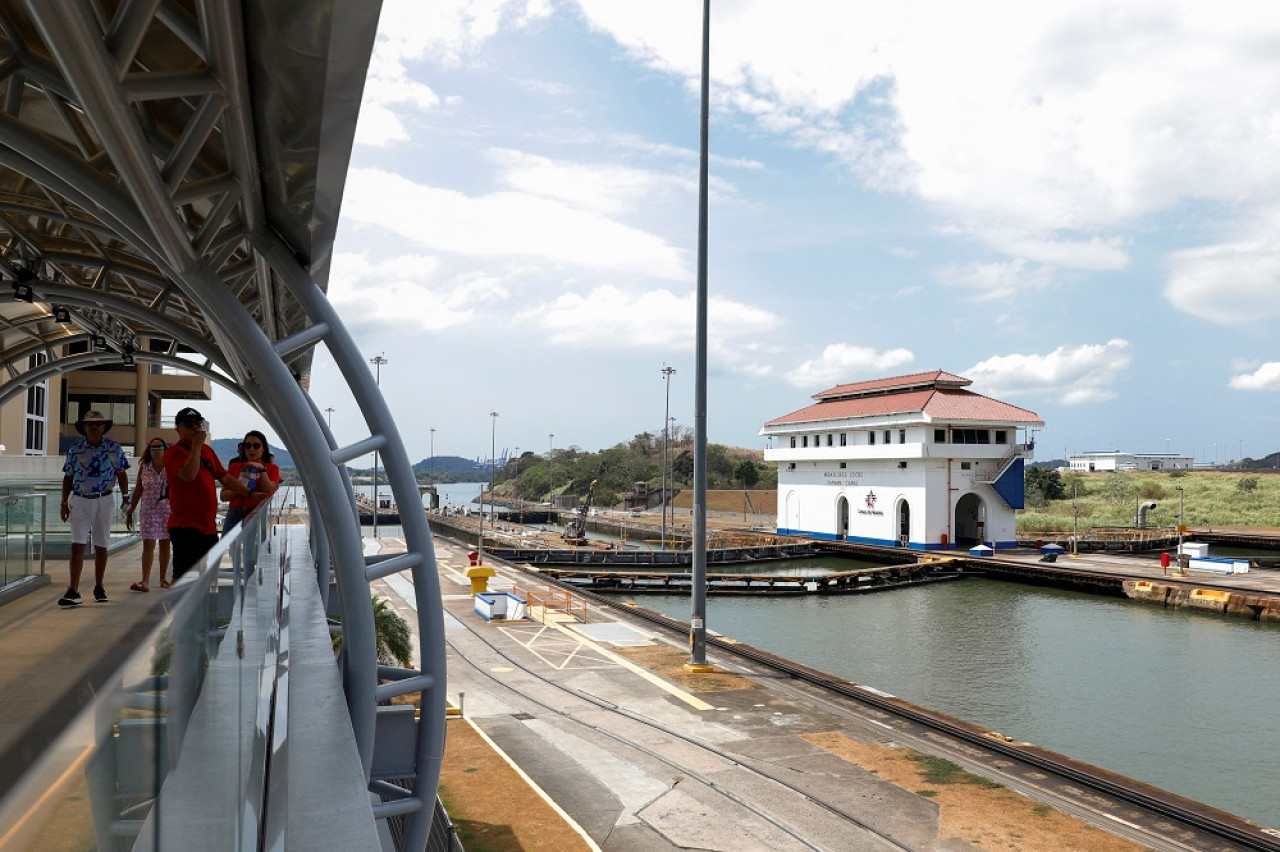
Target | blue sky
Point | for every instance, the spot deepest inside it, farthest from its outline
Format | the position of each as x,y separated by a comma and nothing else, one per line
1073,205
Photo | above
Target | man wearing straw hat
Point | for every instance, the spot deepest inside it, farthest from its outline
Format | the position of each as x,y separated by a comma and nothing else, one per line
92,464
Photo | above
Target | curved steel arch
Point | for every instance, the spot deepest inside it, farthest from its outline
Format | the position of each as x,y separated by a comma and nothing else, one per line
14,386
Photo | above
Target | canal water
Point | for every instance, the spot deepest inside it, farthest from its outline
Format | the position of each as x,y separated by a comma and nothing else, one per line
1187,702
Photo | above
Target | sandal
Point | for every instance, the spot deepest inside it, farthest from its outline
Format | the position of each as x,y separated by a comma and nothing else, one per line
164,584
138,587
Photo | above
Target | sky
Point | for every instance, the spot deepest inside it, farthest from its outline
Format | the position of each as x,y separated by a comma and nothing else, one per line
1074,204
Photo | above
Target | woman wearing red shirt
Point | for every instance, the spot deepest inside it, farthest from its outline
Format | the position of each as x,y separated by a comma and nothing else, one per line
254,468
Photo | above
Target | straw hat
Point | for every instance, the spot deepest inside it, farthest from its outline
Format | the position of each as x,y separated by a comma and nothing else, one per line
94,417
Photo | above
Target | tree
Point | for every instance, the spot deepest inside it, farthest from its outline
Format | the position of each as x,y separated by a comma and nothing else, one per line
746,473
1042,484
1248,485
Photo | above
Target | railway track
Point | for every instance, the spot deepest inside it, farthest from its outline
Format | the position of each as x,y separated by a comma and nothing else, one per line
1212,823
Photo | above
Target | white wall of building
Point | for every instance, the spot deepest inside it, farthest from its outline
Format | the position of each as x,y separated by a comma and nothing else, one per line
946,499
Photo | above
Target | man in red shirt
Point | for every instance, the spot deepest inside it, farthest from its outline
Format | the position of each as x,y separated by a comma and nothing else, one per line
193,471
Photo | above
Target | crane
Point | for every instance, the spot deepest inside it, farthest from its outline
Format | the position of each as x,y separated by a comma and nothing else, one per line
575,531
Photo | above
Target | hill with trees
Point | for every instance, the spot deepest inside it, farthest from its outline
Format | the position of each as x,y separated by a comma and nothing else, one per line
616,470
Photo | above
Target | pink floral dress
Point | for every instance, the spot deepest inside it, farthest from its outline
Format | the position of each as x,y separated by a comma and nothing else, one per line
153,508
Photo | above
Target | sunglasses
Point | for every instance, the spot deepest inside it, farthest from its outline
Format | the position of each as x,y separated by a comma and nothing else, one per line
156,449
254,446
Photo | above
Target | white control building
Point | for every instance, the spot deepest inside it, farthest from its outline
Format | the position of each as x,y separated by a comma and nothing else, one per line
916,461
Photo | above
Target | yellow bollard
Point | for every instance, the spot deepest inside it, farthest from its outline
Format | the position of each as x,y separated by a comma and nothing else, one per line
479,576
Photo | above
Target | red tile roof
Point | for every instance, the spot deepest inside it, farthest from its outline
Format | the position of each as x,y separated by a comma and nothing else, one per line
933,378
945,405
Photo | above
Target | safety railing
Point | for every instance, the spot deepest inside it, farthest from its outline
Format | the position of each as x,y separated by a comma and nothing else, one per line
544,602
23,527
173,750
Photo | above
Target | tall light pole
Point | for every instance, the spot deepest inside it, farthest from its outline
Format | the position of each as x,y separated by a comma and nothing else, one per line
698,605
431,463
377,361
667,373
551,471
493,443
328,412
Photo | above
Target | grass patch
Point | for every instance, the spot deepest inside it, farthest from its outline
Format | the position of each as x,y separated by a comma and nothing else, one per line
928,794
1042,810
1210,499
938,770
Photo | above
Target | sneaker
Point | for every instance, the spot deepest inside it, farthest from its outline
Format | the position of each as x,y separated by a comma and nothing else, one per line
99,594
71,598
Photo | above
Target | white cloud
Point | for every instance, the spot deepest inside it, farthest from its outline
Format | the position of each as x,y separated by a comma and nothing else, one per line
1076,374
1265,378
656,320
506,224
604,188
1230,283
408,289
1039,128
840,362
998,280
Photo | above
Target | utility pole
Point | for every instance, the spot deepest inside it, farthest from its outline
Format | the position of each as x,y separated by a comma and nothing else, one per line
667,373
431,464
551,470
377,361
329,417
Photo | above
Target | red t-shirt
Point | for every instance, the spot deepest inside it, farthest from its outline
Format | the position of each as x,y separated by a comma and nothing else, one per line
250,503
193,504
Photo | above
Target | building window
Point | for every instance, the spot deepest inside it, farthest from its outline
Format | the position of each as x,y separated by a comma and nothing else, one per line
842,465
829,439
791,466
902,465
872,438
842,437
793,442
970,436
35,425
902,436
817,440
888,436
939,436
804,440
966,465
1002,437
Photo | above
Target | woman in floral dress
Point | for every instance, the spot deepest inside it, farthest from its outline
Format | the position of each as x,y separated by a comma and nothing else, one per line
152,492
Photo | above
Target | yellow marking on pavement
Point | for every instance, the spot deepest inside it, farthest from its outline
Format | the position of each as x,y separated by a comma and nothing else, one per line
693,701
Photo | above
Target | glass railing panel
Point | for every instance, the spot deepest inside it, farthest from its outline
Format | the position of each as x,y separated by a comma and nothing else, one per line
22,536
172,752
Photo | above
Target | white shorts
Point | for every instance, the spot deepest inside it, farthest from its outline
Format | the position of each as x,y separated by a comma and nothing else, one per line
95,515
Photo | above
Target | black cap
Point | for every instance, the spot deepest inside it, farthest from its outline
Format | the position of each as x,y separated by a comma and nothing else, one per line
186,415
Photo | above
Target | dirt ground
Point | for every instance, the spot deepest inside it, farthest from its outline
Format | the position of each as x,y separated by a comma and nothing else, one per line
493,807
973,809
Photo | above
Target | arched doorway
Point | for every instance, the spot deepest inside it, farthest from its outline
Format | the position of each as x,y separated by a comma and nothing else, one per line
971,520
904,523
791,516
842,518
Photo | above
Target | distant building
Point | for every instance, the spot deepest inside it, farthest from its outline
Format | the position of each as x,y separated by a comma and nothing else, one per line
1117,461
916,461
